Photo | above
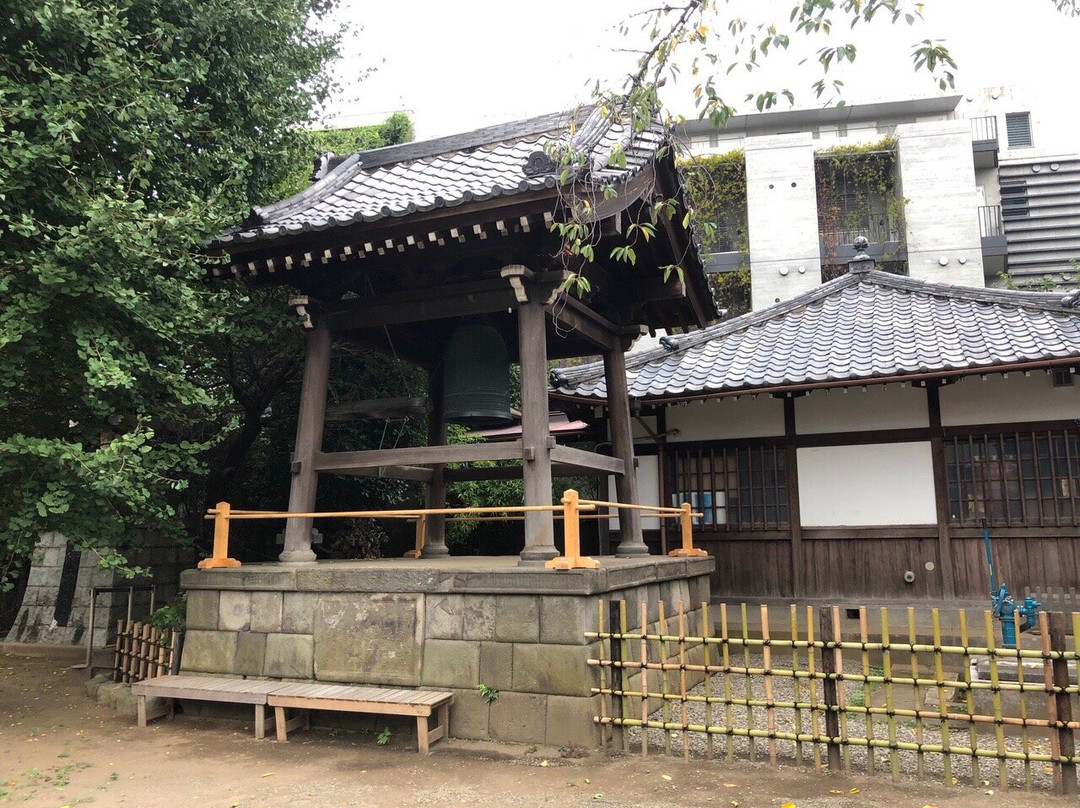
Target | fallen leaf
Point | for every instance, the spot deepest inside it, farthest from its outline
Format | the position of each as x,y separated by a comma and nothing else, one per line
929,806
835,791
731,785
990,791
597,796
665,776
587,781
788,805
543,763
854,791
268,774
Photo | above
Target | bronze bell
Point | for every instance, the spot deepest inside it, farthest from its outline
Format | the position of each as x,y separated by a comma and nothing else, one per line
476,377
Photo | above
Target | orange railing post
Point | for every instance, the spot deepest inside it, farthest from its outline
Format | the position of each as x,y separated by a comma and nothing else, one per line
421,537
220,557
571,558
687,524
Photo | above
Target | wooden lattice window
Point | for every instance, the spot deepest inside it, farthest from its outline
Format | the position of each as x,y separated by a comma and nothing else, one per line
1016,478
741,488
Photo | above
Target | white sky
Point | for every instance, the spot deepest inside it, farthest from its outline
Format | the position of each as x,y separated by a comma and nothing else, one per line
457,66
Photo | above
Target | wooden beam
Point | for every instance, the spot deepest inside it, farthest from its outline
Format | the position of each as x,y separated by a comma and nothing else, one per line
515,472
791,473
379,408
941,490
535,432
435,524
631,541
570,314
418,456
309,434
419,306
579,458
415,473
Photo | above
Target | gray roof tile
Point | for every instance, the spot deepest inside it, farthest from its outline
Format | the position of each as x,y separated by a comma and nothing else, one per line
869,325
402,180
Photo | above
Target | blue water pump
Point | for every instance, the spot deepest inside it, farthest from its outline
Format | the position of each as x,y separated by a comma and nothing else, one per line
1013,616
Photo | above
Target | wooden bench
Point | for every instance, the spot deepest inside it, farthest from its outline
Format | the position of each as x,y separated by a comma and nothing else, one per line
206,688
361,699
284,696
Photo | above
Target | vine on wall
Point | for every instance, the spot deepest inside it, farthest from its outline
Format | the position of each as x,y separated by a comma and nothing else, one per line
857,196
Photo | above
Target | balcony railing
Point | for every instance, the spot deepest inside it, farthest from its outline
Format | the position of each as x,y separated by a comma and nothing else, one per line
984,128
990,221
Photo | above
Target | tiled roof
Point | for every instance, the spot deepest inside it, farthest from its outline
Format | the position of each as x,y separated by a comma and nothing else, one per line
862,326
398,181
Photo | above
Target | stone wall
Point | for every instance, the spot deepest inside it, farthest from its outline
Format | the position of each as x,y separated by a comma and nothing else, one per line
55,607
519,632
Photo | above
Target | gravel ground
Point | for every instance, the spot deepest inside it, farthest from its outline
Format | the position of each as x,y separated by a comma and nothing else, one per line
929,766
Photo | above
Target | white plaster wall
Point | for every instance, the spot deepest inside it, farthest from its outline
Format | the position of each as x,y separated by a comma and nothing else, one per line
781,201
721,419
876,484
937,177
648,480
857,410
1004,399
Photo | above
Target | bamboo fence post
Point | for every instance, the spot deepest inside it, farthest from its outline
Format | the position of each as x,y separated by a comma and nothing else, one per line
917,694
841,690
729,716
796,684
1061,712
623,703
749,682
969,697
830,690
995,692
867,692
943,702
706,637
117,649
766,655
665,691
644,679
606,674
815,704
682,682
890,704
1025,737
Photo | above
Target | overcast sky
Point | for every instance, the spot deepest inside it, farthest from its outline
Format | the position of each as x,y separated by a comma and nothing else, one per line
456,66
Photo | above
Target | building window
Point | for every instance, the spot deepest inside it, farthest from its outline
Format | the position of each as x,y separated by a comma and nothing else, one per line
1022,478
1018,129
742,488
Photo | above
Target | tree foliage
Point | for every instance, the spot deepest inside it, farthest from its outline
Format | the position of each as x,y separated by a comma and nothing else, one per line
132,130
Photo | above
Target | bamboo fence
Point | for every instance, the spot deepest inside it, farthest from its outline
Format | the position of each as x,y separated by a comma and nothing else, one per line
906,699
143,652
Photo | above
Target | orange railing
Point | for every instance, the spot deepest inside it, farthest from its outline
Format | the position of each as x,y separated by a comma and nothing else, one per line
569,511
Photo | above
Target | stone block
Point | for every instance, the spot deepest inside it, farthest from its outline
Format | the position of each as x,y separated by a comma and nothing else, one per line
234,611
479,617
518,717
202,610
451,663
517,618
266,611
375,638
553,669
497,665
250,577
209,651
469,715
298,612
289,656
564,620
94,685
250,653
570,721
443,616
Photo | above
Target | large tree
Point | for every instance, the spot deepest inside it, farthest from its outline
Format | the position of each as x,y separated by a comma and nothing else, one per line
130,132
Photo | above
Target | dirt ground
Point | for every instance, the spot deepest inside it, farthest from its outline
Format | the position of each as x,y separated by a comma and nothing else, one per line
59,748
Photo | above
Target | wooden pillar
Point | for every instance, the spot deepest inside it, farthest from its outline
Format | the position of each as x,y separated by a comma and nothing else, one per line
941,489
435,537
791,472
532,350
309,432
631,542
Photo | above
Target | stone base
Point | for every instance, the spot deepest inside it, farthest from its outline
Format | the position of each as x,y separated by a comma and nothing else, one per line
449,623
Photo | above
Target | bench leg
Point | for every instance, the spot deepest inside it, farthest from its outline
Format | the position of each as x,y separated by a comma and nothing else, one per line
264,721
146,715
142,711
422,733
281,724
